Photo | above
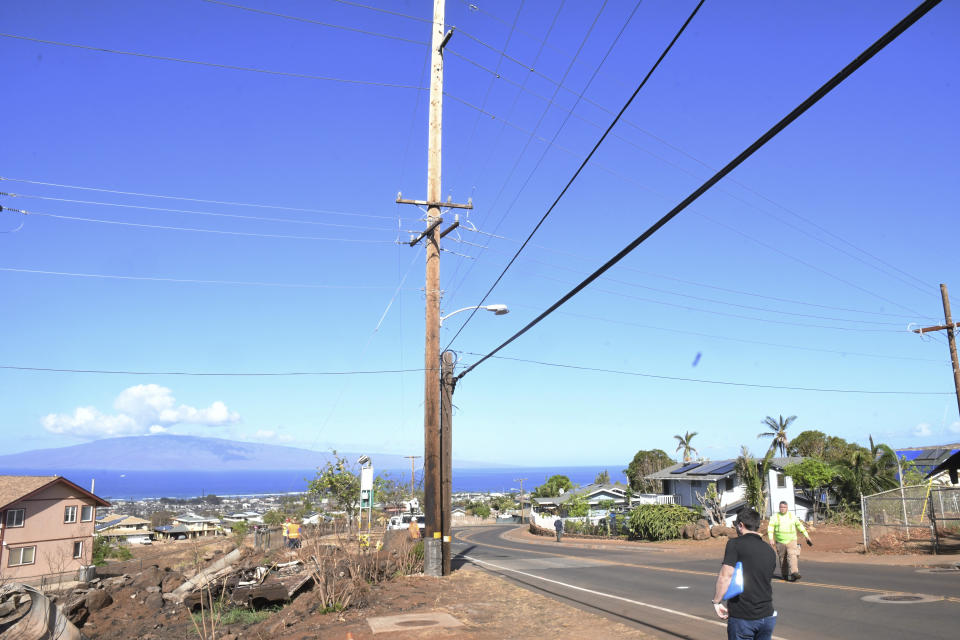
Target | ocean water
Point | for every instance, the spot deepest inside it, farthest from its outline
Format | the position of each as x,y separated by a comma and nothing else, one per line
137,485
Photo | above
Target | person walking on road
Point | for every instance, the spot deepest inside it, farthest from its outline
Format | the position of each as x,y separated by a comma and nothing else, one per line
750,614
558,525
782,532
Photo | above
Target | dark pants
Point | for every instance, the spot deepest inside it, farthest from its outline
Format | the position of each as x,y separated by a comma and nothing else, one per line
559,534
740,629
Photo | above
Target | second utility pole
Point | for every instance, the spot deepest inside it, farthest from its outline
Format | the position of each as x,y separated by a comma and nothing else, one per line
950,328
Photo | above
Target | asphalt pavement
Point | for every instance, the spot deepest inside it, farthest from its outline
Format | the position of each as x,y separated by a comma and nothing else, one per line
668,594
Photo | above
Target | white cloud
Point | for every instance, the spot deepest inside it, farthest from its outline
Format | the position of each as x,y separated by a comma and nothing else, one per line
144,408
922,430
955,427
271,436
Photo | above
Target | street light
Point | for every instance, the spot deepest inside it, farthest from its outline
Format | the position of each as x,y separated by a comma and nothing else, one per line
498,310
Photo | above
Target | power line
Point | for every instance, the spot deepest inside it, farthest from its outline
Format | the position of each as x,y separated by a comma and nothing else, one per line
216,65
317,22
815,97
205,201
218,373
196,230
556,134
551,102
707,381
690,282
387,11
107,276
732,304
194,212
730,227
687,332
583,164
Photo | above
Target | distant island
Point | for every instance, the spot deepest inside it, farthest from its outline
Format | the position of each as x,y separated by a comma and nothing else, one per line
187,453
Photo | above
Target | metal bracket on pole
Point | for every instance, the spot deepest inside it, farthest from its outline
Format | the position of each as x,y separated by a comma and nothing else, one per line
446,39
430,227
426,203
456,223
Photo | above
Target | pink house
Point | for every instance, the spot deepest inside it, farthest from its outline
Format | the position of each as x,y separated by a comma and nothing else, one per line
46,526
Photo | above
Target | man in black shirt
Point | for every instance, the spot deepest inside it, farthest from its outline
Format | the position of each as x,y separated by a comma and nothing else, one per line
749,615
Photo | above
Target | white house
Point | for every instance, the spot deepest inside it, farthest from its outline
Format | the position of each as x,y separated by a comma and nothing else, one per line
684,481
616,493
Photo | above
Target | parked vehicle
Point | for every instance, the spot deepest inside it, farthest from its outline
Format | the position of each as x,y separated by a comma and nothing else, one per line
403,521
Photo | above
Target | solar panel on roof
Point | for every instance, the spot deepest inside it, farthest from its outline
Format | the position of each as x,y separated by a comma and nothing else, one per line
687,467
725,469
708,468
930,454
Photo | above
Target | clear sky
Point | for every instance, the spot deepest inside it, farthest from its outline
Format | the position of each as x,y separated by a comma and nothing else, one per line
274,249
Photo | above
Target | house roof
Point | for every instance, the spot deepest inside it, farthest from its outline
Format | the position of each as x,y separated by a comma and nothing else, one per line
13,488
711,470
590,490
925,459
951,464
168,528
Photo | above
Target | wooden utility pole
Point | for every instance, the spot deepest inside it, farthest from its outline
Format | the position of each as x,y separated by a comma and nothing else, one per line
950,328
446,454
433,234
521,481
413,473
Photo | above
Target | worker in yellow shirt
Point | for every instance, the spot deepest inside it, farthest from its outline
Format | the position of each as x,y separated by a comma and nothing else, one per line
782,532
293,534
285,527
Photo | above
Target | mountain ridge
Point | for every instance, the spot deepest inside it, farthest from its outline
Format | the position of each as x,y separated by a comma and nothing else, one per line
168,452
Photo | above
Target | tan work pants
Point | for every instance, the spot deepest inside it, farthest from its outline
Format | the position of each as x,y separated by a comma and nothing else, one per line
788,555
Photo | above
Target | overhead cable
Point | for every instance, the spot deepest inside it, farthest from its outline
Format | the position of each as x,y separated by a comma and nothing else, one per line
198,213
217,373
378,9
317,22
108,276
217,65
583,164
197,230
815,97
707,381
278,207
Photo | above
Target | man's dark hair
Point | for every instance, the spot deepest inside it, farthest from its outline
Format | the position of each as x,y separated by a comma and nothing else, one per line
784,502
749,518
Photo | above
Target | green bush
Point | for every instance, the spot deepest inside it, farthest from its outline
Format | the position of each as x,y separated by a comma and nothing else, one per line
659,521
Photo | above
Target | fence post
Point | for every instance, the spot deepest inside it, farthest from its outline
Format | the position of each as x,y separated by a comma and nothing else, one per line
863,520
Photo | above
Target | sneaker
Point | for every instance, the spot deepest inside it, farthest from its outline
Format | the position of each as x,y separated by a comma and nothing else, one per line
794,577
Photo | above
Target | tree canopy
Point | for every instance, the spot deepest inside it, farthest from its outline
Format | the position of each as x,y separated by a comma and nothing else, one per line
602,478
551,488
643,464
683,442
338,481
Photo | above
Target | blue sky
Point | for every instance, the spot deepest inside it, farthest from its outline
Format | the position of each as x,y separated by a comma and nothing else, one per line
803,268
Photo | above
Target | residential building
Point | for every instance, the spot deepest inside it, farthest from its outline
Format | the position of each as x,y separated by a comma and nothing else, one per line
616,493
46,526
124,529
196,526
688,482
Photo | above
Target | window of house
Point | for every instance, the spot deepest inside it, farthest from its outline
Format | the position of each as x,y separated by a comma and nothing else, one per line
70,514
15,517
21,555
727,484
78,549
781,481
86,513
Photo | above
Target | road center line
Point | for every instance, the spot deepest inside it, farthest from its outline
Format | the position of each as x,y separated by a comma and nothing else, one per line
602,594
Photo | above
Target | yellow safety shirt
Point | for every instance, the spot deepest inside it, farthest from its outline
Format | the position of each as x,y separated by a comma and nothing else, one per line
783,528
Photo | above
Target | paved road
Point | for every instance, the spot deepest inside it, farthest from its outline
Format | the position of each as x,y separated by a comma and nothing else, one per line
669,595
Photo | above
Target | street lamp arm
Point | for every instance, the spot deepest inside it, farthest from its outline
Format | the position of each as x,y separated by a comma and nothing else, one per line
498,309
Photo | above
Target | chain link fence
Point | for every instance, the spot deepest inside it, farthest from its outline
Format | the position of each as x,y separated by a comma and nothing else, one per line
922,518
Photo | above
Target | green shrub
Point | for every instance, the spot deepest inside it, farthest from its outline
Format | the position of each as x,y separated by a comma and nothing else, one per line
659,521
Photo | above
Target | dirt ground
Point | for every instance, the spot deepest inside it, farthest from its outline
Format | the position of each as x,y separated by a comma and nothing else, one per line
488,606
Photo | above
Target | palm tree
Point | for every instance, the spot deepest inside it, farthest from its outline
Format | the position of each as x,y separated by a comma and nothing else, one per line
777,432
753,475
684,443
